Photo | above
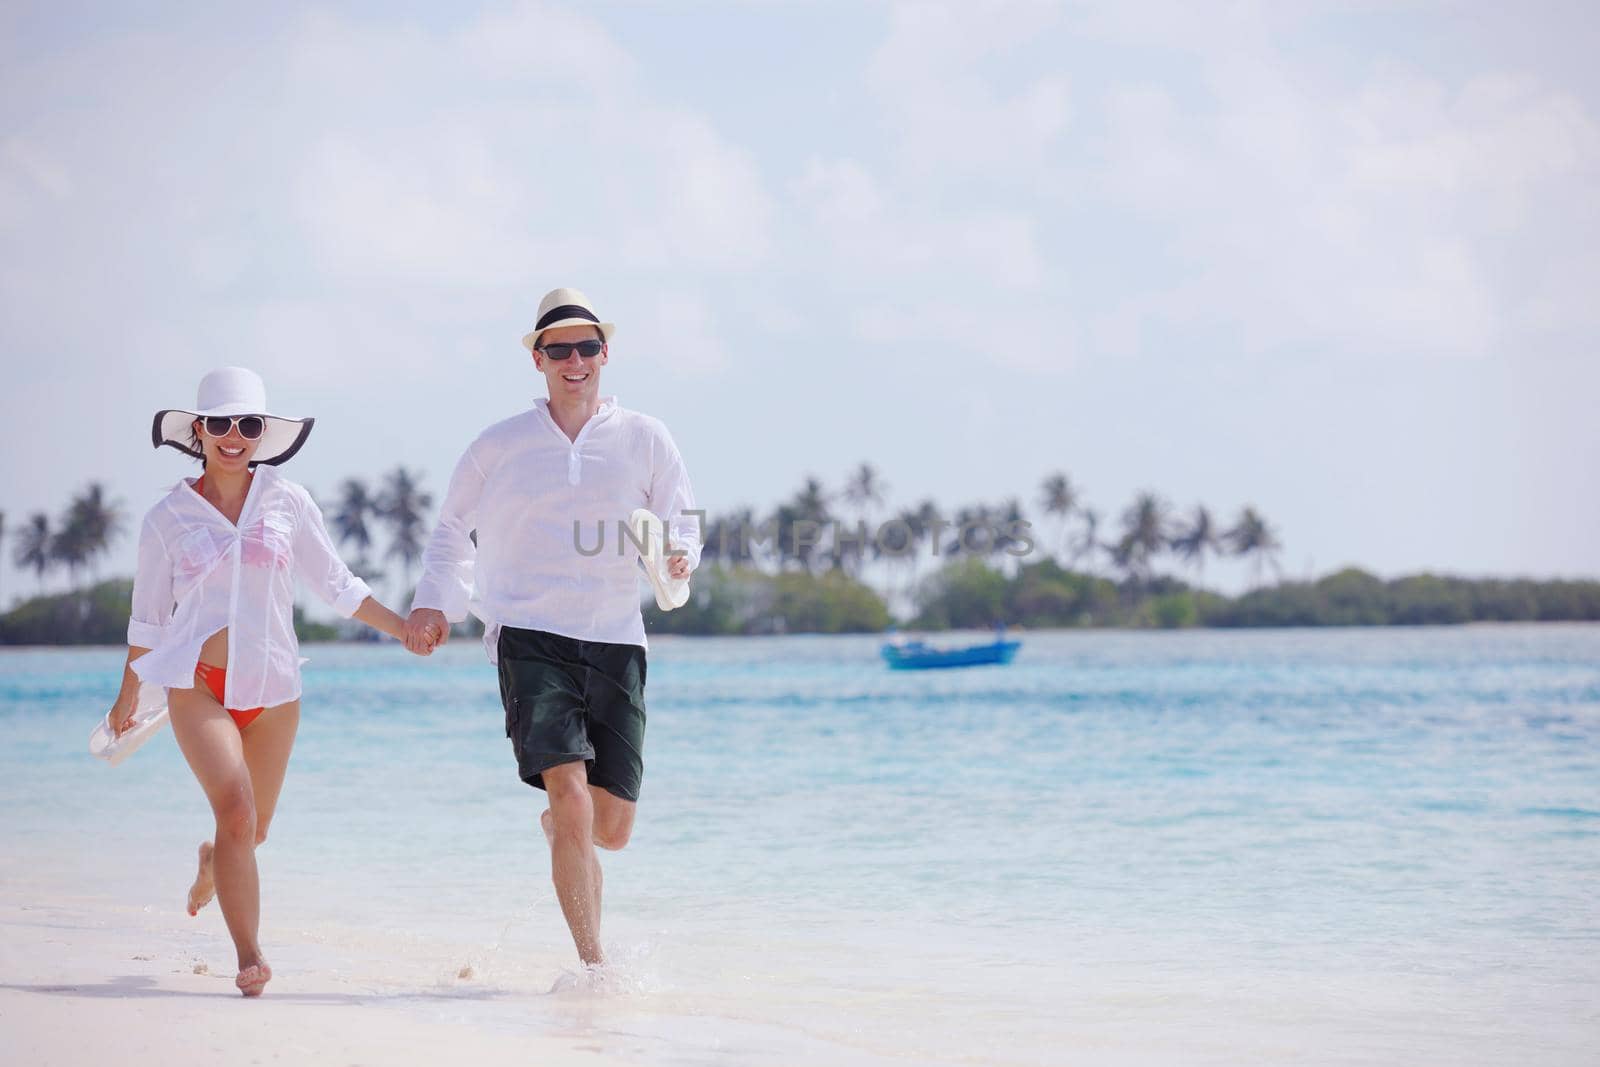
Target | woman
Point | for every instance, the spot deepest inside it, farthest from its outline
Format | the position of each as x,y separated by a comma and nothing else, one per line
213,624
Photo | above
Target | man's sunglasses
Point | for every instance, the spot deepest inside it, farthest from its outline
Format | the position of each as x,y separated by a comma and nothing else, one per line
251,427
586,349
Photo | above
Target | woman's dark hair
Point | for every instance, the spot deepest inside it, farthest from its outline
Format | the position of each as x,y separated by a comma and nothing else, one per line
194,440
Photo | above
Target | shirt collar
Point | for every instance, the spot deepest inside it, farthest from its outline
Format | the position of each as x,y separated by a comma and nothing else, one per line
608,407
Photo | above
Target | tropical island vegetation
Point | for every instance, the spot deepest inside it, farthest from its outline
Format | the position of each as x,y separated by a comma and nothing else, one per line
841,562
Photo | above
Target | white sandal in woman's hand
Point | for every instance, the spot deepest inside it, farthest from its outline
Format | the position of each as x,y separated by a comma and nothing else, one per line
114,747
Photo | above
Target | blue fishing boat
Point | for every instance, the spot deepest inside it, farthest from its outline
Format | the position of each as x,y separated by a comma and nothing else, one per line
917,656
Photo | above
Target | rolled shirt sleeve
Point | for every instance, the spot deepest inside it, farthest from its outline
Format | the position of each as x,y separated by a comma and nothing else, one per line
449,559
152,589
318,566
672,497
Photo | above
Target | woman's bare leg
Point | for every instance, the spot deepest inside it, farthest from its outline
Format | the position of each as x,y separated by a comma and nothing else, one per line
205,884
211,743
267,743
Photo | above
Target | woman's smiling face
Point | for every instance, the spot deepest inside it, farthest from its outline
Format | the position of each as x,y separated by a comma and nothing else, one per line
230,452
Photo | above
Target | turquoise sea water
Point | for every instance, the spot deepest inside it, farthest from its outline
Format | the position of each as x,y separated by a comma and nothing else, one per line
1369,846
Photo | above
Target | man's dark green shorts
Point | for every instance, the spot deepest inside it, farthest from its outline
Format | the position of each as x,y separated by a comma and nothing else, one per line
569,700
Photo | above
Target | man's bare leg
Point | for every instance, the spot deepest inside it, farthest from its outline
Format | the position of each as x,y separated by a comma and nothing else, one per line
574,867
613,820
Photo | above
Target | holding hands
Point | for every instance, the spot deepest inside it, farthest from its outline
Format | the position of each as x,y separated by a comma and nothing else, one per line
426,630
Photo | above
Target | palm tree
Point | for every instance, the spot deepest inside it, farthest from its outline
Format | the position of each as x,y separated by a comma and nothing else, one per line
902,538
69,546
977,516
350,523
404,506
810,505
1059,500
1195,540
1086,543
923,521
735,538
1251,536
1144,534
1008,517
356,505
92,523
866,490
716,538
33,547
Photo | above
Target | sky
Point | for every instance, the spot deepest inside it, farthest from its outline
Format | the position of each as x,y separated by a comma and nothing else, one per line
1336,262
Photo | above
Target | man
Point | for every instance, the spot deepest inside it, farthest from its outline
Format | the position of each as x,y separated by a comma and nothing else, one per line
563,622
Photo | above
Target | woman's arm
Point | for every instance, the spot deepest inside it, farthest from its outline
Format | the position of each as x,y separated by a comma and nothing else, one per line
127,702
381,619
319,568
148,616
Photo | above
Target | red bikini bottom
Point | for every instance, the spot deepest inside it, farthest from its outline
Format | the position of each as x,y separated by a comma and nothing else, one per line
216,679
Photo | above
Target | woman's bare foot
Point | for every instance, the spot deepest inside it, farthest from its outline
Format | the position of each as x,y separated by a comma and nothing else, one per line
204,887
254,978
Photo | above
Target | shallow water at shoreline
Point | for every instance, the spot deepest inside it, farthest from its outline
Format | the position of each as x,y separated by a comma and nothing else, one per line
1309,846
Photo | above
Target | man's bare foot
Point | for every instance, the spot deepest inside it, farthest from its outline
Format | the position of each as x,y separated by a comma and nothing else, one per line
204,887
254,978
589,978
547,824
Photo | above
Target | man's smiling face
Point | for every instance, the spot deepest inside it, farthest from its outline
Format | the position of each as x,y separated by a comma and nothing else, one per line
577,376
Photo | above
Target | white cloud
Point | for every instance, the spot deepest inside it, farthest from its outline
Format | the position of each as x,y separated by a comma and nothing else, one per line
841,193
371,204
422,210
706,204
1372,217
684,332
28,175
936,79
519,142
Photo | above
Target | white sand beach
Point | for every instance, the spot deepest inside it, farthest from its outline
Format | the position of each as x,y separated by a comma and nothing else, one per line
89,982
93,982
96,984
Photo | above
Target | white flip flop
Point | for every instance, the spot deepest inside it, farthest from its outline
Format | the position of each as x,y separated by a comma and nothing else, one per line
646,528
148,719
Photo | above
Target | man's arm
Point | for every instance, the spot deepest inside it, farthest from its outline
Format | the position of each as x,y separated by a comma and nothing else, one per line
448,561
672,499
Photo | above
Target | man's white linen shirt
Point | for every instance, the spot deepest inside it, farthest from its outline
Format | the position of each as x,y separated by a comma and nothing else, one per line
198,573
535,498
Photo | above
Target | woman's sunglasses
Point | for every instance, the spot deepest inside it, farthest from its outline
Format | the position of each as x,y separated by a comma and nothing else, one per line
586,349
251,427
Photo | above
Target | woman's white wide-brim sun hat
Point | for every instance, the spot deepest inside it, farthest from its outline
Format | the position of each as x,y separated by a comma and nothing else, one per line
565,307
233,391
